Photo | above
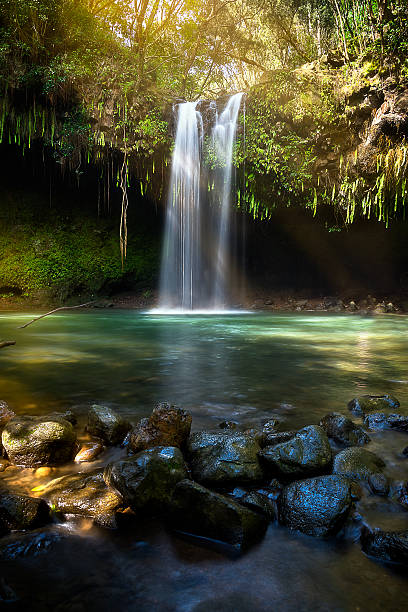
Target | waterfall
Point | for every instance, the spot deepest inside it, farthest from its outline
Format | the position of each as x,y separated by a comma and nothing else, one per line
224,138
195,256
180,269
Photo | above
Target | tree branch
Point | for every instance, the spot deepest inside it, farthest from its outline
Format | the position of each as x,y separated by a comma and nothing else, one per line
4,343
56,310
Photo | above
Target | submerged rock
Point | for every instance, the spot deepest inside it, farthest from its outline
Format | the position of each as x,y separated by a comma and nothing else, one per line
381,420
166,426
343,431
388,546
360,406
201,512
219,458
360,464
23,545
307,453
317,506
36,441
147,480
85,494
108,425
22,512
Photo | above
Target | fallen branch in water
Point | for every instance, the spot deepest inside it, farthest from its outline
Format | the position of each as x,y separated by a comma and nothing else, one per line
56,310
4,343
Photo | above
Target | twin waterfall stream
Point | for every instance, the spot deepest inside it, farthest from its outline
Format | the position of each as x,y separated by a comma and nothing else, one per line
197,243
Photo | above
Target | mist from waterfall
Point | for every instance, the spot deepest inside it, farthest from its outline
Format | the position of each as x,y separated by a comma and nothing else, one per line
196,251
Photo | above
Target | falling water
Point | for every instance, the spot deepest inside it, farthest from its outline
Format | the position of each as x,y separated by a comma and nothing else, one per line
224,137
181,263
196,244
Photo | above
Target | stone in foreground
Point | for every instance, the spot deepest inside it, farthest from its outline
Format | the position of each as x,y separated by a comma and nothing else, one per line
306,454
317,506
6,414
388,546
360,406
22,512
106,424
147,481
200,512
84,494
36,441
343,431
363,465
166,426
381,420
219,458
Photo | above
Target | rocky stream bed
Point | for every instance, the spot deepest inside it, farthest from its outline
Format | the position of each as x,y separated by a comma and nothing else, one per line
218,489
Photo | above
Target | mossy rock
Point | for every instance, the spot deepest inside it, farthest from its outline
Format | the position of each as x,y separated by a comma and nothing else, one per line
362,465
200,512
37,441
22,512
85,494
308,453
222,458
147,480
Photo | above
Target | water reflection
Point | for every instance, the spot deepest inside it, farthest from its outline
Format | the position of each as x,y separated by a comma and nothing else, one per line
220,367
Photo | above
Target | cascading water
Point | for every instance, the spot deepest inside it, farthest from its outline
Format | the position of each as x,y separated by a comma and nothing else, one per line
181,262
224,138
196,242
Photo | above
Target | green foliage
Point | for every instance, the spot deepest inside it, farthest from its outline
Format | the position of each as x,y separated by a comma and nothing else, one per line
63,260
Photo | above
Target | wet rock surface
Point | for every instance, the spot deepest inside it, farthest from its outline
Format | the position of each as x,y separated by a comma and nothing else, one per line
262,501
363,465
106,424
166,426
22,512
36,441
89,452
204,513
363,405
219,458
147,480
84,494
316,506
388,546
381,420
6,414
276,437
307,453
343,431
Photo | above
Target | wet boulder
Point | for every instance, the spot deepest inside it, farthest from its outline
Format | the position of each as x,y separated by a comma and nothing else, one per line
306,454
22,512
388,546
316,506
343,431
146,481
360,406
107,424
84,494
220,458
362,465
381,420
166,426
36,441
6,414
200,512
